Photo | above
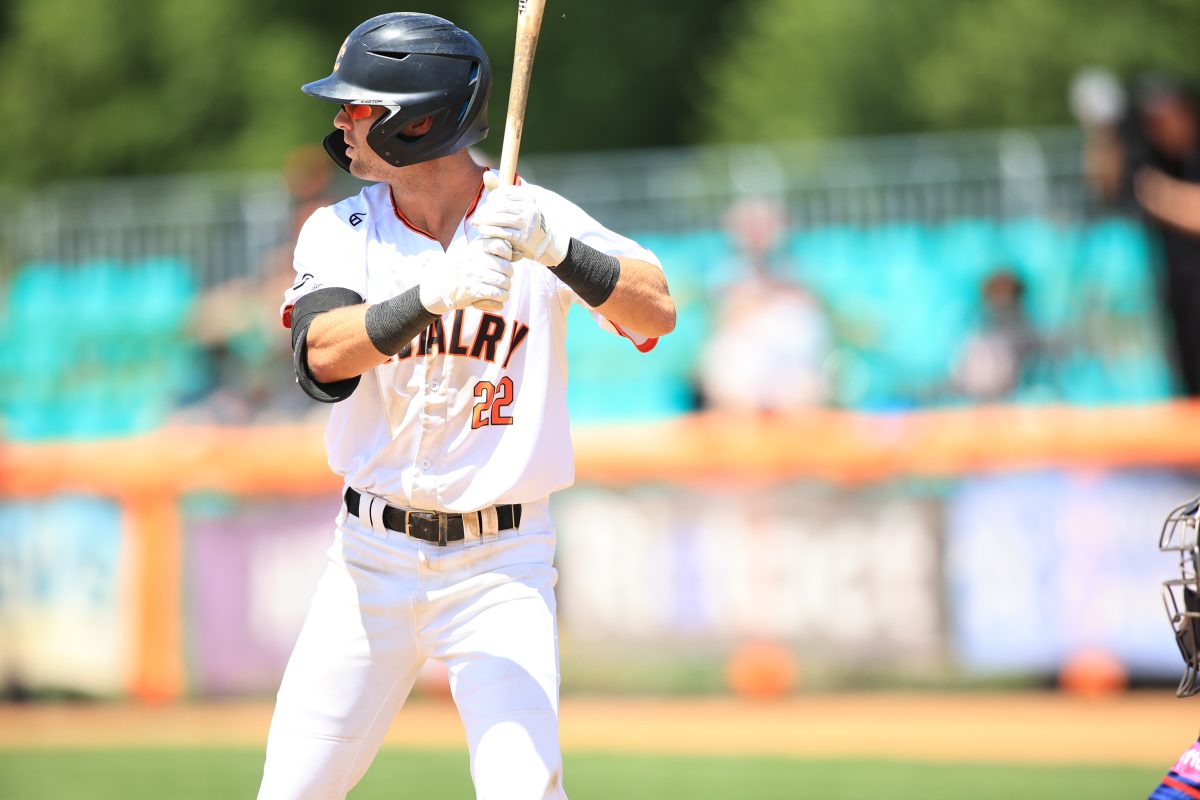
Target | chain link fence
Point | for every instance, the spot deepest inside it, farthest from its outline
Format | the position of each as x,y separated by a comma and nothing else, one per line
224,224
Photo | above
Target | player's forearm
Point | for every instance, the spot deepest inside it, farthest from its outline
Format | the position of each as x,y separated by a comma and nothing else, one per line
640,301
1172,201
338,345
1183,210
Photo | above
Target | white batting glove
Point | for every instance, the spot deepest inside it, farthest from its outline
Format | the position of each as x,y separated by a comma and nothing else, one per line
511,213
481,278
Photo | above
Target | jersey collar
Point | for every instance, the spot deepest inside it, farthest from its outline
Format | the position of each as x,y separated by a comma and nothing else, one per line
416,229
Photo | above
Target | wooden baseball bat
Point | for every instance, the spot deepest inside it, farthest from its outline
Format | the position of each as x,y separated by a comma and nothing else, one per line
529,24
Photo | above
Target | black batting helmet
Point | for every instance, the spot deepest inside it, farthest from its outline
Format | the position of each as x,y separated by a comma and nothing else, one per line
414,66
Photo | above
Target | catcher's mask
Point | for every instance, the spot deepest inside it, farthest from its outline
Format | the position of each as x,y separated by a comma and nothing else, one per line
1182,595
414,66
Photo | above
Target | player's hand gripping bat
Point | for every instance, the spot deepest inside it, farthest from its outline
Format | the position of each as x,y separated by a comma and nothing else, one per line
529,24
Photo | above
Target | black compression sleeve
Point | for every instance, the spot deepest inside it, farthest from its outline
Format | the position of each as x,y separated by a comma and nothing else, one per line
592,274
307,309
393,323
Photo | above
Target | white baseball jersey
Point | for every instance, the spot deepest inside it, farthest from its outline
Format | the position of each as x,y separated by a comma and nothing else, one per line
473,411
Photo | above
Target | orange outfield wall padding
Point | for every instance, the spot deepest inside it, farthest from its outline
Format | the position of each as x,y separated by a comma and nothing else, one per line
155,536
147,474
836,446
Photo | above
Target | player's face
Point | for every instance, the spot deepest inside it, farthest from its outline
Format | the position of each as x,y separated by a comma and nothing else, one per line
355,121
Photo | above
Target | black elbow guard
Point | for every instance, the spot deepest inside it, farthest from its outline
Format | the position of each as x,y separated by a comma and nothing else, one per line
308,308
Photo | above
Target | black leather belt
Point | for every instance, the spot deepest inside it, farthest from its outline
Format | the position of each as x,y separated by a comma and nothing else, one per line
435,526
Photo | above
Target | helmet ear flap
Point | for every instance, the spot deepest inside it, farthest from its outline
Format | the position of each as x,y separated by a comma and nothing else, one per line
335,145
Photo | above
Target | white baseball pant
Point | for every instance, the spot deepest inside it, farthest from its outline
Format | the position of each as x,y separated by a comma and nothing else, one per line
387,602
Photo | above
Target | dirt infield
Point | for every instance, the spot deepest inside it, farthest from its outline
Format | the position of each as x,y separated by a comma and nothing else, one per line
1138,728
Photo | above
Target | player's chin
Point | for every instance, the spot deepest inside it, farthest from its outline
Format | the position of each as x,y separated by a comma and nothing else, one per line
359,169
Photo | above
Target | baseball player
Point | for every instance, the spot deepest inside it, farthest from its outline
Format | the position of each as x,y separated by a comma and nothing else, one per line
1182,598
431,310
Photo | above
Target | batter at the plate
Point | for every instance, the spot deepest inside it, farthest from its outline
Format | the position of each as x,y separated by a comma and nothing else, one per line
431,310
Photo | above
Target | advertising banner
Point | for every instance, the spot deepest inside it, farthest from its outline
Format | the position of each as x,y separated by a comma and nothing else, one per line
1041,566
848,573
251,569
64,614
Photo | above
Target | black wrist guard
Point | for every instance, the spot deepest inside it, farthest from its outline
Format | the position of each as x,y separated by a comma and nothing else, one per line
393,323
592,274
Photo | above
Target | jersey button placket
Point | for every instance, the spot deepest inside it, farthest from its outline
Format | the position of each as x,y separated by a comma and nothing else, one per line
434,406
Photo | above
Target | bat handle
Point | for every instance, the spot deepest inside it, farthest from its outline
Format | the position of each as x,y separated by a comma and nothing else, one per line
513,128
529,24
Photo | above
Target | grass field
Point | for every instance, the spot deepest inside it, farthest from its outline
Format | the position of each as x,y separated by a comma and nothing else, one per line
192,774
899,746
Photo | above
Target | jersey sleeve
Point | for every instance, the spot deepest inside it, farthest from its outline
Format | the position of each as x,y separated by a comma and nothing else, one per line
325,257
583,227
1182,782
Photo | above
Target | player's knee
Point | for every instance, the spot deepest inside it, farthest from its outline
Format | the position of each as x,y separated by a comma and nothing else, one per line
554,789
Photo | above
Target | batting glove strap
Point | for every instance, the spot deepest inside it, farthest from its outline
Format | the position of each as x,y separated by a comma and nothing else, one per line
592,274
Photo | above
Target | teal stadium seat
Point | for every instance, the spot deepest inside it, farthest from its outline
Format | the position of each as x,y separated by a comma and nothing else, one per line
1115,258
609,380
965,251
100,348
163,292
93,292
900,245
35,300
685,265
830,259
1042,254
702,258
930,309
1117,274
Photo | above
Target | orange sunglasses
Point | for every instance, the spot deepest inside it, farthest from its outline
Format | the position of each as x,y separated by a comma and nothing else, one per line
357,111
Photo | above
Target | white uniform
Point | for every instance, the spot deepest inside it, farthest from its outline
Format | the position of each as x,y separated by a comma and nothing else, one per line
470,415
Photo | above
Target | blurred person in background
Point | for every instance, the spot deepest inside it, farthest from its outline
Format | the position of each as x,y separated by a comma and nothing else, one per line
771,341
1166,185
998,355
246,351
1098,102
1143,156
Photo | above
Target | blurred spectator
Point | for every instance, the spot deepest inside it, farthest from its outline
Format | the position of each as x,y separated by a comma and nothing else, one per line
1098,102
247,349
771,341
1166,181
998,355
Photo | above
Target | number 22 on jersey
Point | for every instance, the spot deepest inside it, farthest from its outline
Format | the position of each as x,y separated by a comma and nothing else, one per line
493,401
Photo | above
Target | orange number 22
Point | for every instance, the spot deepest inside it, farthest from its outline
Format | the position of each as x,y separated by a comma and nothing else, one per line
493,399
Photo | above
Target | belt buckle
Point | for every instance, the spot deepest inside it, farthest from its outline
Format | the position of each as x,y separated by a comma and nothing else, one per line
428,516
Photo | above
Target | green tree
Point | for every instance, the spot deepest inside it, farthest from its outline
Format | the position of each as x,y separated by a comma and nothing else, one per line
127,86
812,68
151,86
